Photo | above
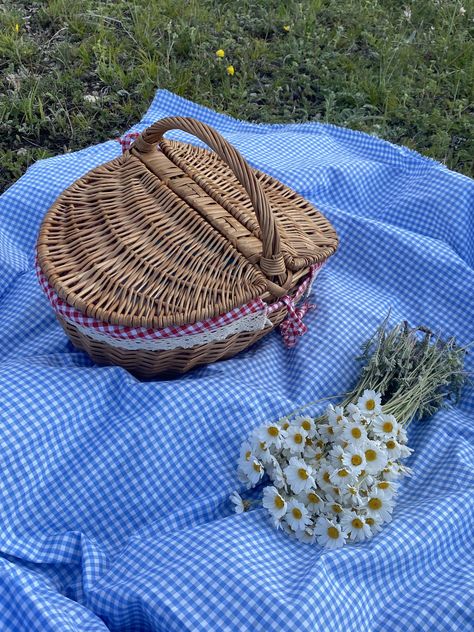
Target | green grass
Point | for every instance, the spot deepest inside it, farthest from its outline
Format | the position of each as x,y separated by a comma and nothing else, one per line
76,72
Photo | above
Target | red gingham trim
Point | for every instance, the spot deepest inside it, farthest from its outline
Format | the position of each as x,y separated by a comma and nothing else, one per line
291,327
130,333
127,140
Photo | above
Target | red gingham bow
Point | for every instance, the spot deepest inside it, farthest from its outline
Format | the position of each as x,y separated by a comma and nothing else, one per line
293,324
127,140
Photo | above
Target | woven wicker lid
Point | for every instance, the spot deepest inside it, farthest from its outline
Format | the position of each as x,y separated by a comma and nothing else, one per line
174,234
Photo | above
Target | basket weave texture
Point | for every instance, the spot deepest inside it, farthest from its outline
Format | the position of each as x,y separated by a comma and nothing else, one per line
170,234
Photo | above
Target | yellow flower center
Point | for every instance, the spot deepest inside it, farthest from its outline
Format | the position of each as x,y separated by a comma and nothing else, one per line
309,441
248,454
257,467
330,430
371,455
375,503
279,502
313,498
303,474
357,523
336,508
343,473
390,444
388,426
370,521
297,513
263,445
370,404
339,418
319,456
356,459
306,425
320,443
297,438
383,485
286,425
356,433
333,533
273,431
326,477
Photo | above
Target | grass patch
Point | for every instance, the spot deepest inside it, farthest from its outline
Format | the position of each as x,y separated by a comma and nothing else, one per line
77,72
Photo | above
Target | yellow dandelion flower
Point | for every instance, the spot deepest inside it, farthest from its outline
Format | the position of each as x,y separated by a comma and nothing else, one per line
17,28
231,70
220,53
287,28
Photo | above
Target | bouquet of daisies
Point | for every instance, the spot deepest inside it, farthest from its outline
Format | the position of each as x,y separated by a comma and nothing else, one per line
333,479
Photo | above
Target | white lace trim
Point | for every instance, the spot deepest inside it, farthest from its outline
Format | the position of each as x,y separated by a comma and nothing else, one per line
251,322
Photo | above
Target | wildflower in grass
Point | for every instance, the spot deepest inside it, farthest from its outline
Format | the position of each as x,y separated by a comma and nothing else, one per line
287,28
230,70
17,28
220,53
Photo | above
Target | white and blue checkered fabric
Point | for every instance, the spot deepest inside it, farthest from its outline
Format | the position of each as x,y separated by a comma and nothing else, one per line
114,491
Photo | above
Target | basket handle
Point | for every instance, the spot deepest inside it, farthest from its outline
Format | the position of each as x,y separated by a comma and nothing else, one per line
271,263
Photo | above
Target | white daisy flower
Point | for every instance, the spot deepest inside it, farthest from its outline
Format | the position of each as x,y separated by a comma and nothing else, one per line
355,526
352,496
342,477
379,507
245,455
299,475
375,523
336,455
370,403
330,433
353,412
312,500
276,473
385,426
306,536
260,448
402,434
236,499
333,508
307,424
395,470
295,439
387,489
328,533
375,457
312,453
297,515
393,449
354,459
254,471
354,432
271,434
323,475
335,415
405,451
274,502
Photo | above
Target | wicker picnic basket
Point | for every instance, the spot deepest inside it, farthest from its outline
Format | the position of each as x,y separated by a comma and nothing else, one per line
172,256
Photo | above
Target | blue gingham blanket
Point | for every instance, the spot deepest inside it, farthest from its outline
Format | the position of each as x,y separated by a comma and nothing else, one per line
114,491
